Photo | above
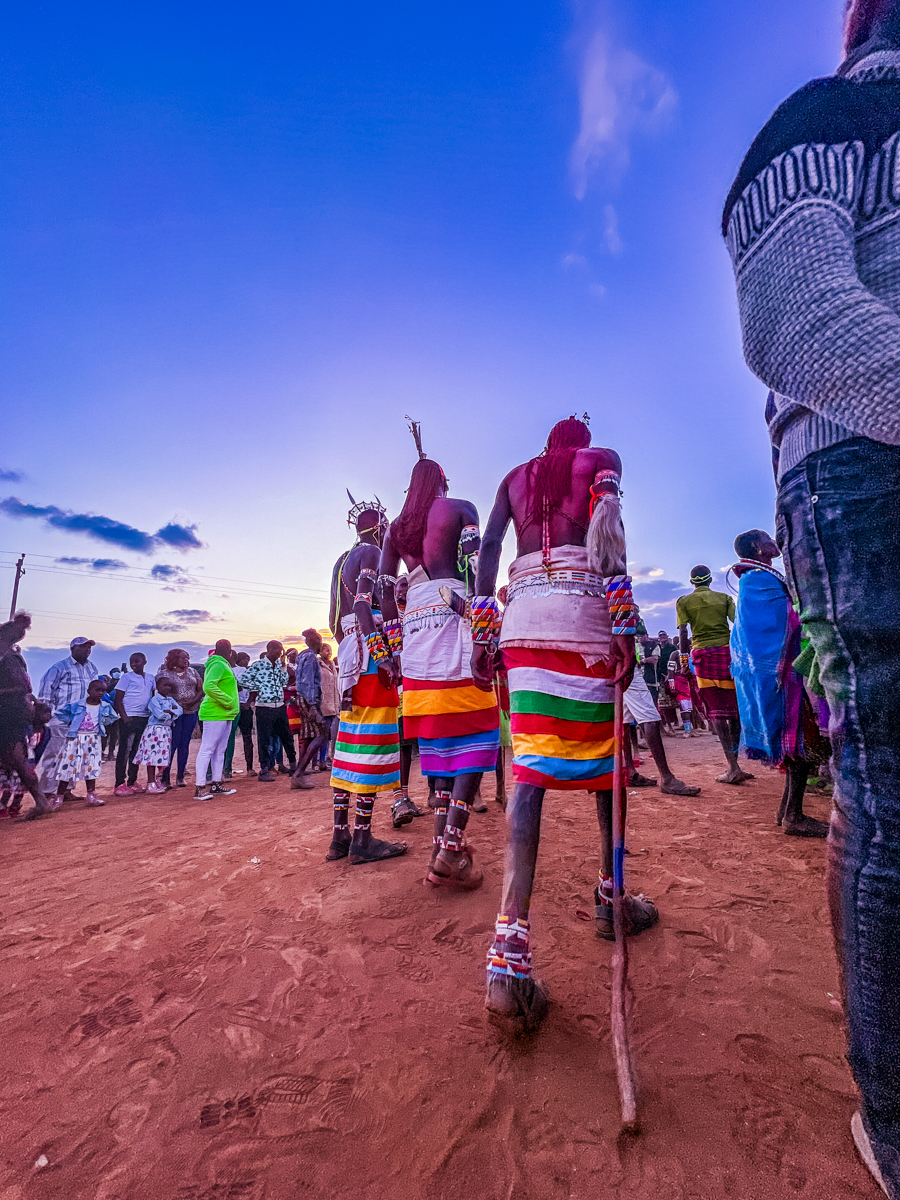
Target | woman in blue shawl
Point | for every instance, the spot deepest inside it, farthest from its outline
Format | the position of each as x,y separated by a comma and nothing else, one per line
777,724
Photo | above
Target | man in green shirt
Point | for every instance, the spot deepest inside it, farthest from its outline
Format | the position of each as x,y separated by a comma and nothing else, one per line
217,712
708,613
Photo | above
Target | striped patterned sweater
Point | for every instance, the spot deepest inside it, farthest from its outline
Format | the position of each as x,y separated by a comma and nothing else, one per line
812,224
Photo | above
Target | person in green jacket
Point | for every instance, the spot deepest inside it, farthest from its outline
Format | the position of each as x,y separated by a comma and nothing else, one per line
217,712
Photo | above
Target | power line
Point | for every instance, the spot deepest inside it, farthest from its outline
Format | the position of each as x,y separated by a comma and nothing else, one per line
189,583
188,586
206,585
255,634
148,578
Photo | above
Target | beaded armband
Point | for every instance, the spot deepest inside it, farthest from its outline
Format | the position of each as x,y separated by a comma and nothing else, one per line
383,580
393,631
377,648
485,619
622,611
361,596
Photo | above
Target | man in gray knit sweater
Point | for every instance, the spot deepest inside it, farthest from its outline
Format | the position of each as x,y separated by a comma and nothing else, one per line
812,224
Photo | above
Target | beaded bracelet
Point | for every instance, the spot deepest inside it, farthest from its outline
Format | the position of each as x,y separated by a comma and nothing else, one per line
377,648
393,631
485,618
622,610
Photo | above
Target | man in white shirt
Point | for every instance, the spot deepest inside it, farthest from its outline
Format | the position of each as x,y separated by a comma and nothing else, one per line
331,699
66,682
243,721
133,692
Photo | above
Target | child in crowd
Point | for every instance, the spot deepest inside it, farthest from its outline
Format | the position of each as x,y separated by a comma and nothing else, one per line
37,739
667,701
679,686
155,749
111,738
82,755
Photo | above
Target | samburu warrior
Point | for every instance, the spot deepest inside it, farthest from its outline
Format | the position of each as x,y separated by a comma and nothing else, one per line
708,613
456,721
367,750
567,638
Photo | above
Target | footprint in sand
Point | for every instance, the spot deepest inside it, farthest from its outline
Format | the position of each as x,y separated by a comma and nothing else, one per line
123,1011
294,1104
239,1189
222,1112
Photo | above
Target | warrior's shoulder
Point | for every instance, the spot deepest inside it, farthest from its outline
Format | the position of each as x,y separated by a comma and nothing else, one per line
455,504
601,456
358,555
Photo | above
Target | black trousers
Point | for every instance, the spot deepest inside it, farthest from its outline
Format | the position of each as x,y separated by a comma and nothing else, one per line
245,725
130,731
273,722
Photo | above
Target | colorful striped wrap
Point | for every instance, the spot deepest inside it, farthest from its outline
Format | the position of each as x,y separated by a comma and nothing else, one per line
712,669
367,750
456,723
562,720
555,639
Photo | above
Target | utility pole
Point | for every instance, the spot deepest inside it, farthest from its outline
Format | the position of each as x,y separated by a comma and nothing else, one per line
20,571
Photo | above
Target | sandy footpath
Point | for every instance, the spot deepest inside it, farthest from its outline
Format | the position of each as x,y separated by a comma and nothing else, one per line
195,1006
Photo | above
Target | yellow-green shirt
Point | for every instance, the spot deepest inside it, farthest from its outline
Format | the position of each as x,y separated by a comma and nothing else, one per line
708,613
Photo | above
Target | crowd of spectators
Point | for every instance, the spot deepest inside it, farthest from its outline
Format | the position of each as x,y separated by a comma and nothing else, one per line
55,737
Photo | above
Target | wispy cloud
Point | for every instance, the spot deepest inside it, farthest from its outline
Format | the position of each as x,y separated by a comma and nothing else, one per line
11,476
611,239
176,620
95,564
656,599
575,262
174,577
104,529
621,94
639,572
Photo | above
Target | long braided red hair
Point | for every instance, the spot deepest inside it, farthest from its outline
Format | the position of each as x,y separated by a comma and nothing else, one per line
426,483
551,471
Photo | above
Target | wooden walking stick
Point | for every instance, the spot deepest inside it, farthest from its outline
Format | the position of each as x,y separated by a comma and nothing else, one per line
620,1040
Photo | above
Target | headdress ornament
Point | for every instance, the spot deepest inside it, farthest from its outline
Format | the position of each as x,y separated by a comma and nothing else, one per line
698,579
363,506
415,428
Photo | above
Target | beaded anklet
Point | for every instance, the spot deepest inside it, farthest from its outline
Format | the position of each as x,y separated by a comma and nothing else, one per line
510,954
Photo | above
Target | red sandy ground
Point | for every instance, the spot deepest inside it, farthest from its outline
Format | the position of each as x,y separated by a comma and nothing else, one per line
197,1007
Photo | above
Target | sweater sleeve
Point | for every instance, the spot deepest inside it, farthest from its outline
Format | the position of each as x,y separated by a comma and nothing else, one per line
812,331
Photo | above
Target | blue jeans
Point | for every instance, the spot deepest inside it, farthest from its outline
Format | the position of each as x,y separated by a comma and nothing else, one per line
839,528
182,730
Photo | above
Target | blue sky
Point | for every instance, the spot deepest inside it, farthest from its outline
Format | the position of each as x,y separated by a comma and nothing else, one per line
238,245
